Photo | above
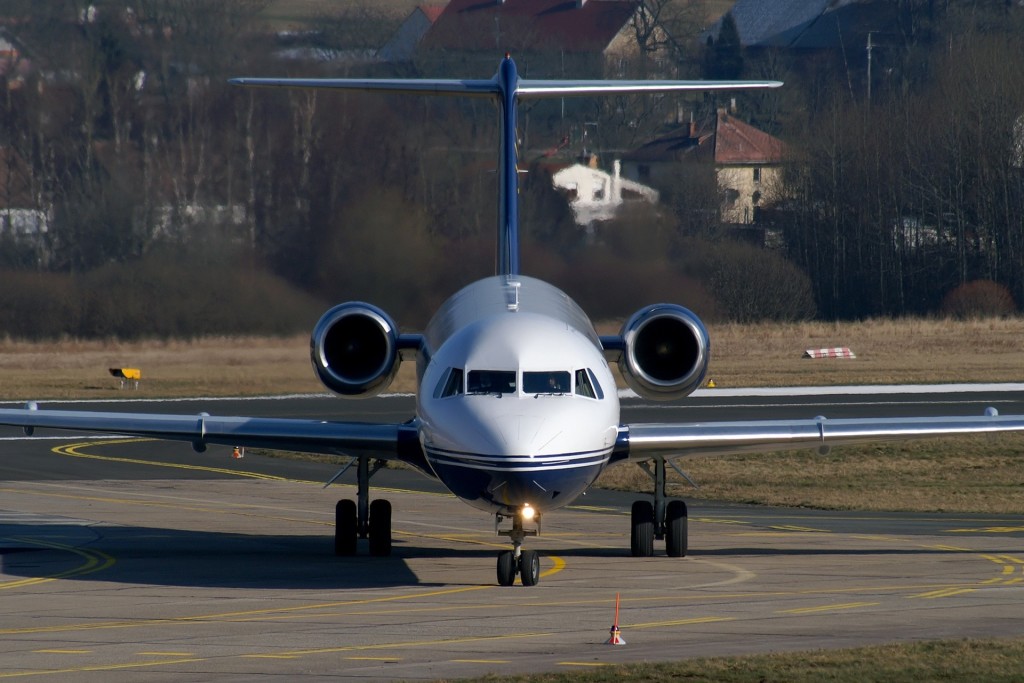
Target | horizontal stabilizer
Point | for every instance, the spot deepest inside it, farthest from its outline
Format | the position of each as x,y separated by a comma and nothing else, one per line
524,88
534,89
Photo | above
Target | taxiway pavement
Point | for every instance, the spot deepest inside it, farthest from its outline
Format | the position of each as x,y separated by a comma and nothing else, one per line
139,561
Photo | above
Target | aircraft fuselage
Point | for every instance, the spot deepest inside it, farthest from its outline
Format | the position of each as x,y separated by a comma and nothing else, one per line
517,403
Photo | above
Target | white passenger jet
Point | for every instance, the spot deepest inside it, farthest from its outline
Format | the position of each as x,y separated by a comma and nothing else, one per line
517,411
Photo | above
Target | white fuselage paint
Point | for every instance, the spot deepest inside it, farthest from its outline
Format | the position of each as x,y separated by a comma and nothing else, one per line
500,451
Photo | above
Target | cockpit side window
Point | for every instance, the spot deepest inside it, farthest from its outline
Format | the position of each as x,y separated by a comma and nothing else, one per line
554,382
587,384
583,385
491,382
450,384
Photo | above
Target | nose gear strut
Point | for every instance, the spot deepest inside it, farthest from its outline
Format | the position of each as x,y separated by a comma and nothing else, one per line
525,563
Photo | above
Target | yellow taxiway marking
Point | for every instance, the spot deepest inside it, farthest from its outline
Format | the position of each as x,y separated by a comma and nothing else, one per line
950,548
680,622
828,608
793,527
715,520
943,593
74,450
294,654
94,561
406,644
275,612
374,659
97,667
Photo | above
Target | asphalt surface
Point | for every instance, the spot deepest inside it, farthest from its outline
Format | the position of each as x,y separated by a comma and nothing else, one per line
130,560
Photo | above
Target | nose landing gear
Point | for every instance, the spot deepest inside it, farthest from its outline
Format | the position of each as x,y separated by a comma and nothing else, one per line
525,563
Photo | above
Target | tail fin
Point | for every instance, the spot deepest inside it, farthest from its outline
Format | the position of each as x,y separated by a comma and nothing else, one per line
506,89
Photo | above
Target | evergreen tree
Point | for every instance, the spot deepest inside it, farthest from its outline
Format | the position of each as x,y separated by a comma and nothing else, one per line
723,59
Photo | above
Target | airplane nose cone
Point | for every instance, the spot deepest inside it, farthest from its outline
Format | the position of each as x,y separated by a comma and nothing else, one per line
521,435
529,455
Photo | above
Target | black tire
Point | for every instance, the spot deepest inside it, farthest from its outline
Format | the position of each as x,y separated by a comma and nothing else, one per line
676,535
641,538
380,528
345,528
506,568
529,567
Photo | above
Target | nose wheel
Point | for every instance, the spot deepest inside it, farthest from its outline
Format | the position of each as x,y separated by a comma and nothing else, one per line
518,562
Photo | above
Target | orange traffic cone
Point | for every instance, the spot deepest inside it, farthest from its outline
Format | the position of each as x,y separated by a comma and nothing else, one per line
616,637
238,453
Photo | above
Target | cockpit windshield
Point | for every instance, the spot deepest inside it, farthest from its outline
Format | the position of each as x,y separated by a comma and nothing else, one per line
553,382
534,383
491,382
450,384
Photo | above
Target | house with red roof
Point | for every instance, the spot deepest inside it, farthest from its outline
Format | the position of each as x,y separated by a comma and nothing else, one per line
548,38
748,162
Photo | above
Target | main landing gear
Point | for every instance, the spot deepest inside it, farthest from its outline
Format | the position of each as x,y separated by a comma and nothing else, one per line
525,563
361,518
663,520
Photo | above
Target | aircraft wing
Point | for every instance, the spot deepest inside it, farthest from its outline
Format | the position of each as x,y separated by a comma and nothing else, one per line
384,441
646,441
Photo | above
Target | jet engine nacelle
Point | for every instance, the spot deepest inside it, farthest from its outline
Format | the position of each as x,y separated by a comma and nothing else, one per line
354,349
665,352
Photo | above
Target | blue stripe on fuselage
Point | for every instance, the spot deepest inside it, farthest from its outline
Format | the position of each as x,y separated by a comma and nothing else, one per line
496,483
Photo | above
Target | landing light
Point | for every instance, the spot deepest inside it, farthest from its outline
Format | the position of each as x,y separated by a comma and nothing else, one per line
527,512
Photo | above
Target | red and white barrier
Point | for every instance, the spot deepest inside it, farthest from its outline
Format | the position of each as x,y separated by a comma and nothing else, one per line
835,352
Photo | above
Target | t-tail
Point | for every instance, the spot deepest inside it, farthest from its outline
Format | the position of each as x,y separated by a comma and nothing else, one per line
506,89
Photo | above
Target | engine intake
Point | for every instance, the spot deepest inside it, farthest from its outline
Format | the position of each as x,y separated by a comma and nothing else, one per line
665,352
354,349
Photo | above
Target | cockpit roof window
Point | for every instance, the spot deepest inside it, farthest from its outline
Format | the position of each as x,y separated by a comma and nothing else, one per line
491,382
450,384
550,382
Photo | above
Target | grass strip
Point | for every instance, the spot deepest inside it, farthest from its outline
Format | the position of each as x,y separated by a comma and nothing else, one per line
986,660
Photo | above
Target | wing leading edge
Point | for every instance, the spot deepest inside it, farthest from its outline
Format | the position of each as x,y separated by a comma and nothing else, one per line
647,441
384,441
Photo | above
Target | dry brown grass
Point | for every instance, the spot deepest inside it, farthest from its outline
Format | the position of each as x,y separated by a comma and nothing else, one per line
205,367
978,474
904,351
964,474
888,352
912,350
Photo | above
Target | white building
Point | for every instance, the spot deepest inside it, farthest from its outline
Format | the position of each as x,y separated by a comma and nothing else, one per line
596,195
